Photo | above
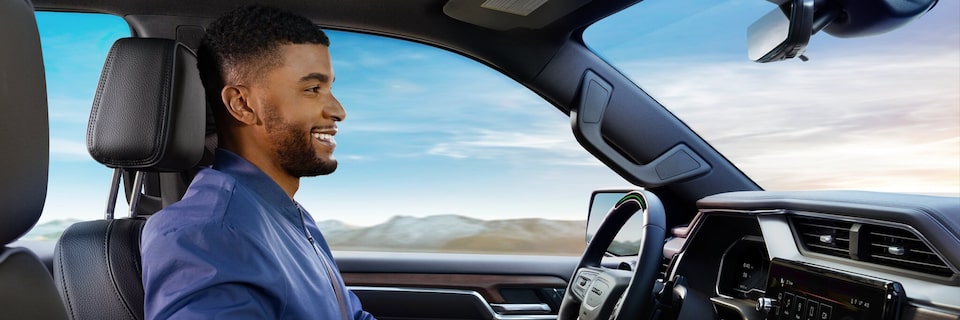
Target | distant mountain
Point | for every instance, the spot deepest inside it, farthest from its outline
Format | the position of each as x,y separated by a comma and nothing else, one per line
49,230
439,233
334,226
453,233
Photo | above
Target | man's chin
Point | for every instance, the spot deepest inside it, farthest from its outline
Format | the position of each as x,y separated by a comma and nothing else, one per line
318,169
328,164
328,167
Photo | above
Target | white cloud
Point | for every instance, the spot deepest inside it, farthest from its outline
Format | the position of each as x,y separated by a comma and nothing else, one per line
69,150
354,157
880,122
71,110
393,87
538,146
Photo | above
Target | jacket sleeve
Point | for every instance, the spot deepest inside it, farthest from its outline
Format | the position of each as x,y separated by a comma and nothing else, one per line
184,279
356,309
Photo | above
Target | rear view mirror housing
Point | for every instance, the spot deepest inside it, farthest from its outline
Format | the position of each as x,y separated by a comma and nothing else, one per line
785,31
781,34
868,18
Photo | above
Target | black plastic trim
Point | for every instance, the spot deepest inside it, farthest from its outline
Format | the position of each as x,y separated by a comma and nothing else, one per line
677,163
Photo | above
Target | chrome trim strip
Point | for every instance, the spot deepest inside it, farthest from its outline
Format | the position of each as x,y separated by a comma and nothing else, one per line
474,294
520,308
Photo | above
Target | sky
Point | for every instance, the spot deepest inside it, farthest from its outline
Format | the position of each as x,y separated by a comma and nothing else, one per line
430,132
878,113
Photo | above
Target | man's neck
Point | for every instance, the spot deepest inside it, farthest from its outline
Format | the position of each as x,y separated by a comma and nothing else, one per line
288,183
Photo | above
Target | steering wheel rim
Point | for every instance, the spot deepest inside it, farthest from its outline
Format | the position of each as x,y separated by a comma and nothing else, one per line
636,302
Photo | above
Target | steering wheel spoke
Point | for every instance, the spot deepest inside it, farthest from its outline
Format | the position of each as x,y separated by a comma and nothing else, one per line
597,289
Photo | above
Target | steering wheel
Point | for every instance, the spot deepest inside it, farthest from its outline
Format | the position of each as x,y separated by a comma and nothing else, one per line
601,293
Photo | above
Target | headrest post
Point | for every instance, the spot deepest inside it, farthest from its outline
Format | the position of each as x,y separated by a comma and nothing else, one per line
135,198
112,198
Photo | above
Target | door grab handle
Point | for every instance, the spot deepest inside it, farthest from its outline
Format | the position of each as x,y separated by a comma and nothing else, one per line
521,308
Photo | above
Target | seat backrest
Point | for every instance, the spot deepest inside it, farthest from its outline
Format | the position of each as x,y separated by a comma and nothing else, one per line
148,116
26,288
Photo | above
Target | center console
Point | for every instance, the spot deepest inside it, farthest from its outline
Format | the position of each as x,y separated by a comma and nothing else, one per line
800,291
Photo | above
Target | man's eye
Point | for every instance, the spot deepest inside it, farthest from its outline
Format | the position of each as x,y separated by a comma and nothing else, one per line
314,89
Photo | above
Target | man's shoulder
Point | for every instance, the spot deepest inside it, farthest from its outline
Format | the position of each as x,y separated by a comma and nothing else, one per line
205,203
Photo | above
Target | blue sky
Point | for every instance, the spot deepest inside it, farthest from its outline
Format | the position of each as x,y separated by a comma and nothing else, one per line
430,132
74,48
875,113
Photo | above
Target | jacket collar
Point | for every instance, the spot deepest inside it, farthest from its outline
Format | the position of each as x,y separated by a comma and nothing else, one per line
252,177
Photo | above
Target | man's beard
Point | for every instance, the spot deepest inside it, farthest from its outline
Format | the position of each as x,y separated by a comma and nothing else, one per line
293,147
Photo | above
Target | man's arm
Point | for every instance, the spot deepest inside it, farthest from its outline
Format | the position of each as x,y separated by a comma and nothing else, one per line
196,272
356,311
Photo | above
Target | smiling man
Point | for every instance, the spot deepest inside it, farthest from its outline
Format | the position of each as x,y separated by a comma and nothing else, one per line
238,245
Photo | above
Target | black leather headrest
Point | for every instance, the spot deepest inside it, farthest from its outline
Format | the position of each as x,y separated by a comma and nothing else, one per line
149,110
24,134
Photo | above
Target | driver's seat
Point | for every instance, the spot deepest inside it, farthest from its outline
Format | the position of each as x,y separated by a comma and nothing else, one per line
148,116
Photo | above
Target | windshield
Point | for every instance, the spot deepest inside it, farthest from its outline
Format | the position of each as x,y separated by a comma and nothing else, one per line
875,113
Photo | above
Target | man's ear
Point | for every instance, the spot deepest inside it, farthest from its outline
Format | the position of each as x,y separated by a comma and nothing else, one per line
236,99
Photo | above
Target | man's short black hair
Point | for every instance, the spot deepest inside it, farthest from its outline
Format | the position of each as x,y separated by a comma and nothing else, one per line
241,44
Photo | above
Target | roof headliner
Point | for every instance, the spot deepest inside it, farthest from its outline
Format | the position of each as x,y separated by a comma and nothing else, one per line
518,52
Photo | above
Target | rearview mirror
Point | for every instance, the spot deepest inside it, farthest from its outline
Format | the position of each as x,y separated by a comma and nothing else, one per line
784,32
627,241
781,34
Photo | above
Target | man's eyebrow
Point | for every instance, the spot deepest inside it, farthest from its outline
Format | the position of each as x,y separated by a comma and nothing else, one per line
316,76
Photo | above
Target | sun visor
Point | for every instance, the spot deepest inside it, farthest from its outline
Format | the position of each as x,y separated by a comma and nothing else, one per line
510,14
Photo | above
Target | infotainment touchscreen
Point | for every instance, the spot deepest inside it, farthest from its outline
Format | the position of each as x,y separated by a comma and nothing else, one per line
798,291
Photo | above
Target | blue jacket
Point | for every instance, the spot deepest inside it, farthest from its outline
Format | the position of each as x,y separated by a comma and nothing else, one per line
236,247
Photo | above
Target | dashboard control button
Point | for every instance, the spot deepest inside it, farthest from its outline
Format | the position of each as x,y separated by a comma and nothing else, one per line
776,310
798,306
787,306
826,312
812,307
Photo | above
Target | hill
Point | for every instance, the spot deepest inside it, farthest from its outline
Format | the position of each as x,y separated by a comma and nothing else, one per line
453,233
439,233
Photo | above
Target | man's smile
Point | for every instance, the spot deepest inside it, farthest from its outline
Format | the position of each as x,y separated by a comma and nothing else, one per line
325,136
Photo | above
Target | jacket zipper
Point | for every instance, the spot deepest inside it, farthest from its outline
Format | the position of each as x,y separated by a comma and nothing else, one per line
334,280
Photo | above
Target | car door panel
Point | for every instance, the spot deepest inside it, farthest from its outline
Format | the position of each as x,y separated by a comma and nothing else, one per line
456,286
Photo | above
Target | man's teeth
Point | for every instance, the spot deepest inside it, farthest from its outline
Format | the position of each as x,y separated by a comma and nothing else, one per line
322,136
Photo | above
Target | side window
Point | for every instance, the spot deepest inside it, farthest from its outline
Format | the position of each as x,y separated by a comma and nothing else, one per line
74,48
439,153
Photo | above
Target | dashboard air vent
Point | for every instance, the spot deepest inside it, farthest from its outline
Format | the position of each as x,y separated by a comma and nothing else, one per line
824,236
901,249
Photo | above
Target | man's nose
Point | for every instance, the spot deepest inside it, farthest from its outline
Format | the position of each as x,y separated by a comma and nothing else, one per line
334,110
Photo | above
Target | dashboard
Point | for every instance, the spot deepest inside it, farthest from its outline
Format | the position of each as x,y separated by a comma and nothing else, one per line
819,256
